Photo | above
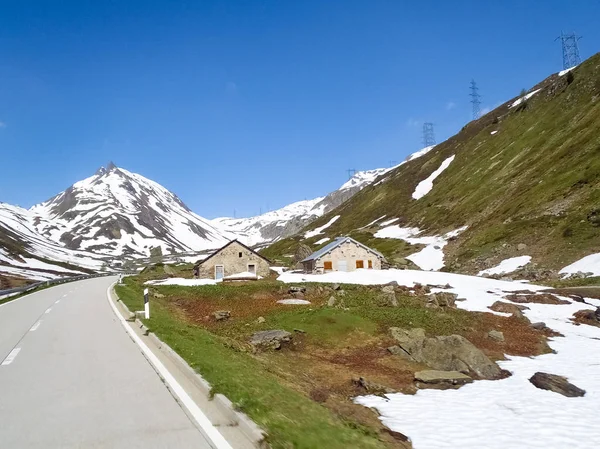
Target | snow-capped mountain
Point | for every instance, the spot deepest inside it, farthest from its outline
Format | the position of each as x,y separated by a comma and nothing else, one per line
117,212
292,218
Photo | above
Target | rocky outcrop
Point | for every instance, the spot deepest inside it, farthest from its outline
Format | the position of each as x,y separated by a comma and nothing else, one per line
389,295
272,339
442,377
539,298
441,300
447,353
557,384
221,315
506,307
496,335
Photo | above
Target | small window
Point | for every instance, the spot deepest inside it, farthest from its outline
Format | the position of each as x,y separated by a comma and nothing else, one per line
240,254
360,264
328,265
252,268
370,264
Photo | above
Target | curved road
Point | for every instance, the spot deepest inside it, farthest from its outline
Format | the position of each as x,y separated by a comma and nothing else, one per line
71,377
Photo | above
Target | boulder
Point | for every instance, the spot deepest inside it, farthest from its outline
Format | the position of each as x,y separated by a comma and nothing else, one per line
557,384
331,301
447,353
273,339
539,326
336,287
397,350
442,377
506,307
442,299
521,247
496,335
389,295
297,295
261,319
296,289
221,315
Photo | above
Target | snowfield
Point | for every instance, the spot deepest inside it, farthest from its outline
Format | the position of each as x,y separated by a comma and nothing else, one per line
501,414
320,229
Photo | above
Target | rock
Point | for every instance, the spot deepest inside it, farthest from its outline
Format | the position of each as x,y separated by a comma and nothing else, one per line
158,295
392,284
331,301
557,384
371,387
298,295
521,247
496,335
438,377
261,319
538,298
442,299
389,295
505,307
539,326
221,315
336,287
396,435
300,331
397,350
448,353
272,339
296,289
586,316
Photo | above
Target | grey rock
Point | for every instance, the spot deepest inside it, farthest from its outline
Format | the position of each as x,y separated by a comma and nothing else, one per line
521,247
448,353
331,301
261,319
442,299
437,377
557,384
273,339
496,335
336,287
389,295
397,350
221,315
296,289
539,326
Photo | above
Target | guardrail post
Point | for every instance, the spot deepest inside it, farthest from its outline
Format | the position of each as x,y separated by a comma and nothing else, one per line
146,304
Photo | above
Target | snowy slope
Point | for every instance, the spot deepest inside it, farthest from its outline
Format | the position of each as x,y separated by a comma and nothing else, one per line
290,219
117,212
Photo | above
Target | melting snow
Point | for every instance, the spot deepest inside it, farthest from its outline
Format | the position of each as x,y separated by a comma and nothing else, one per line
589,264
182,282
294,301
320,229
425,186
388,222
523,98
507,265
493,132
500,414
429,258
564,72
323,240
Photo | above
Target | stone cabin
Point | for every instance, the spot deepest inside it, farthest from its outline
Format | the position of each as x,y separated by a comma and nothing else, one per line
233,258
343,254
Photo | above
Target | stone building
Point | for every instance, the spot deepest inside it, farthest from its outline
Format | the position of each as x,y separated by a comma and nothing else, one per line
232,259
343,254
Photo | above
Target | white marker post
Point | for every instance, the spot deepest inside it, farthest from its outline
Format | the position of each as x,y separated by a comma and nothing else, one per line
146,304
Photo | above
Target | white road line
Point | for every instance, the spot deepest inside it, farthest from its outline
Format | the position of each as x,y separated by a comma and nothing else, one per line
11,356
208,428
48,310
35,326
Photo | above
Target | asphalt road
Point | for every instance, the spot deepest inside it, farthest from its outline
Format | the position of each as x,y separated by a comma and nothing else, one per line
70,377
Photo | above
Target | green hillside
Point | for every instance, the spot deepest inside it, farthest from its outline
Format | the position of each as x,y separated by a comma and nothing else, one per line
535,182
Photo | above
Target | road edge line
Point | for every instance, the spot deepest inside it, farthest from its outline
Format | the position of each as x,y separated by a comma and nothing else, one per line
211,433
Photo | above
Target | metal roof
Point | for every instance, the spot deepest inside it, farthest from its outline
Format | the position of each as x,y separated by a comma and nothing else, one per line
338,241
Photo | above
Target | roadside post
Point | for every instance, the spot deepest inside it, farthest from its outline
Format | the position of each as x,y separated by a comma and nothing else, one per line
146,304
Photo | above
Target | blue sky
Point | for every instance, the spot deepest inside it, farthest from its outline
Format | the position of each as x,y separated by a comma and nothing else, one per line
251,105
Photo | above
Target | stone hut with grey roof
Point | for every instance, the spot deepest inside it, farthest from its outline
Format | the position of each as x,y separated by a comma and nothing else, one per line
343,254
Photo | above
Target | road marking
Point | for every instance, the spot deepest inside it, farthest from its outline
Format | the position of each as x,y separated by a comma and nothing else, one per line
35,326
207,427
11,356
48,310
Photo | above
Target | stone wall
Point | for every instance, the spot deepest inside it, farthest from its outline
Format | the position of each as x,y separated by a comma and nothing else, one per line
232,263
350,252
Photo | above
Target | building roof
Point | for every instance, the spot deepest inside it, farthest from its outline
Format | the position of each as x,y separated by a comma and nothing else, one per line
239,243
337,242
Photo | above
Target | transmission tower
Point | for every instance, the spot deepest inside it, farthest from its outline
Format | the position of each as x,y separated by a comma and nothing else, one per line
428,136
351,172
570,49
475,100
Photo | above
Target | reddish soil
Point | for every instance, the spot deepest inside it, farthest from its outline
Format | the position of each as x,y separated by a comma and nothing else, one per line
585,317
539,298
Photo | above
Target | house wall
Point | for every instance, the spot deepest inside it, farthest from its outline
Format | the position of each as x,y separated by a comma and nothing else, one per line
233,263
350,252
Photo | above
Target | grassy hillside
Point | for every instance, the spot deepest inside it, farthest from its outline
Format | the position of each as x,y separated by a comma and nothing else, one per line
535,182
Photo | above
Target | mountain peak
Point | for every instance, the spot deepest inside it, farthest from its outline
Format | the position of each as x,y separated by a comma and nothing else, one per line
111,166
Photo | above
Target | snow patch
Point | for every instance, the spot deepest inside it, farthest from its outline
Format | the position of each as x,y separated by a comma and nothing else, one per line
183,282
588,264
320,229
323,240
425,186
507,265
518,101
564,72
294,301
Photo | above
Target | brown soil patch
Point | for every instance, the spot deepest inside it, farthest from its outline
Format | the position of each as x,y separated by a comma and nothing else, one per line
586,317
580,292
506,307
539,298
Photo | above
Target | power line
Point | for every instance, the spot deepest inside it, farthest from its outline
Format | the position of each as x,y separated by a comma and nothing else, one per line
570,49
475,100
428,135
